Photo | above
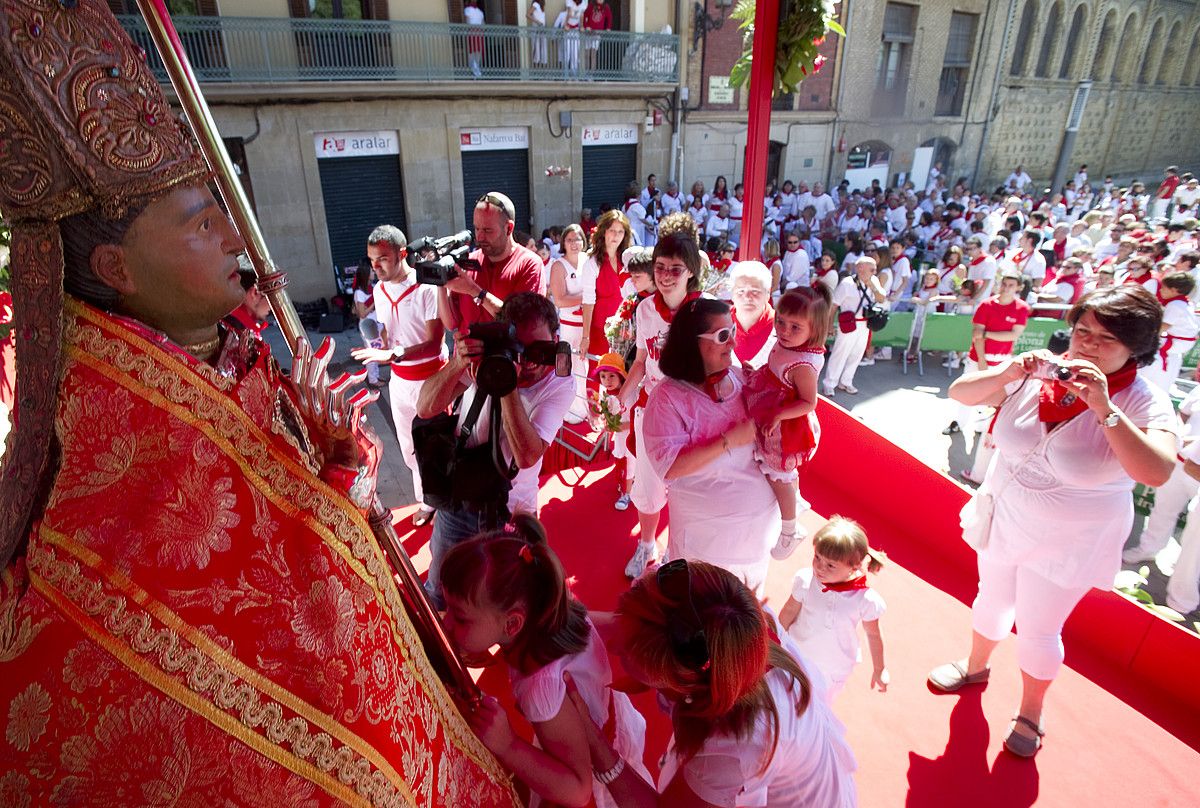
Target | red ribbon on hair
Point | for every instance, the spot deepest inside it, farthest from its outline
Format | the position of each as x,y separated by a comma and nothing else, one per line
858,582
526,554
1057,404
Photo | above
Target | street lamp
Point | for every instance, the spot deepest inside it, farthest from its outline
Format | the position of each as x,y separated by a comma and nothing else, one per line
705,22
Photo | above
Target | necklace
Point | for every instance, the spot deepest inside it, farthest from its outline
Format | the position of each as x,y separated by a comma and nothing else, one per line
205,349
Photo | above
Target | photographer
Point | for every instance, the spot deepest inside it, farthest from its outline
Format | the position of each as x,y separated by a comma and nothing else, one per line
505,268
531,415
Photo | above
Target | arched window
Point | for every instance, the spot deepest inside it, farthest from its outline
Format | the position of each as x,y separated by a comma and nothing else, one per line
1104,47
1024,34
1154,45
1053,23
1189,75
1070,57
1122,64
1164,63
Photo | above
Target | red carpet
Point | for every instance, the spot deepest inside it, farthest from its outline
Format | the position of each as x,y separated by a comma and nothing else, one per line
915,748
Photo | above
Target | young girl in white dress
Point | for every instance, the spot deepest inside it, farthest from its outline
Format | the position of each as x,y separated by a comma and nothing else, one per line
781,396
829,600
508,589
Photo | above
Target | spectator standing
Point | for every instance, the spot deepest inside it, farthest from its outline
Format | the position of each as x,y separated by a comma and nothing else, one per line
735,214
1179,330
719,195
597,17
1165,193
566,290
505,268
572,19
640,226
602,281
535,17
850,299
671,201
364,310
797,271
826,272
473,15
411,335
650,191
1017,181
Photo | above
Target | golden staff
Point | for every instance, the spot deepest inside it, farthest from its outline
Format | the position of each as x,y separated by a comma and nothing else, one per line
273,282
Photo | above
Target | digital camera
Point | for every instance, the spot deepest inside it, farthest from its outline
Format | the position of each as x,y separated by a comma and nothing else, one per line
497,370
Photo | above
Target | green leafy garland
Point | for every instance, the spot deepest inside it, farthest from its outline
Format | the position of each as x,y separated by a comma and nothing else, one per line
801,32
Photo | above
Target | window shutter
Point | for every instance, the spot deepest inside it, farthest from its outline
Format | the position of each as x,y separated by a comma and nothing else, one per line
510,13
298,8
455,8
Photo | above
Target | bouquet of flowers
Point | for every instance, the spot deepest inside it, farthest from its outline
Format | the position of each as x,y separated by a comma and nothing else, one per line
607,411
620,329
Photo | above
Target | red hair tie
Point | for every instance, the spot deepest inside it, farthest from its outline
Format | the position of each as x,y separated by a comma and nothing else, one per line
526,554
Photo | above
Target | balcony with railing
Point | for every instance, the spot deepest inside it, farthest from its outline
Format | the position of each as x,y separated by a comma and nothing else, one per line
283,50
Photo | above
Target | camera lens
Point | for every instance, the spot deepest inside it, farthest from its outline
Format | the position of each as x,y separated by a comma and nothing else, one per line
1063,374
496,375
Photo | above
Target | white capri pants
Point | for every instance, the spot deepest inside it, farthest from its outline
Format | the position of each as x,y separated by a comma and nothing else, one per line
573,335
1008,594
404,409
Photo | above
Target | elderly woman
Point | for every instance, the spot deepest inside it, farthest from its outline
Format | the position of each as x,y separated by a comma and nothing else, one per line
698,437
566,290
753,317
1072,437
751,725
850,299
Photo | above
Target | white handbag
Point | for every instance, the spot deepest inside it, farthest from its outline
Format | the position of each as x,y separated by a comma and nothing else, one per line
976,520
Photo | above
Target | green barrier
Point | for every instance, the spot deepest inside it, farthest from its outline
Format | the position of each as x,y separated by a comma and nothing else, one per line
1037,334
895,333
946,332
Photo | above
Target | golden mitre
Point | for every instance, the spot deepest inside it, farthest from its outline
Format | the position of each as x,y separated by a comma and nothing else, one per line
84,127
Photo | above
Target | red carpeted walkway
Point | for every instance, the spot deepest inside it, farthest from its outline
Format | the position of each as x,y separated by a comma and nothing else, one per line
914,748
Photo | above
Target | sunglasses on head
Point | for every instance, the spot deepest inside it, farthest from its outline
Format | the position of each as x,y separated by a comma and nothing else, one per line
720,336
687,637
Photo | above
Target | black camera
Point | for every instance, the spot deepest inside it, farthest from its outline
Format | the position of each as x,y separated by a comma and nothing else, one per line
497,371
450,253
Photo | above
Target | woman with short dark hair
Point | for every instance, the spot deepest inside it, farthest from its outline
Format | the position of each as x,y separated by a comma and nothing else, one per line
698,437
1073,434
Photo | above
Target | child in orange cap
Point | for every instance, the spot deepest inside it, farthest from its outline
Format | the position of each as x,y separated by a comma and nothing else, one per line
610,414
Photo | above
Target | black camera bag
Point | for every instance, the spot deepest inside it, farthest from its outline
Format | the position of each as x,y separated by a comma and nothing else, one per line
455,476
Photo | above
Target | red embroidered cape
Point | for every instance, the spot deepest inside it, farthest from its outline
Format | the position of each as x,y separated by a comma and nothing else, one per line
199,620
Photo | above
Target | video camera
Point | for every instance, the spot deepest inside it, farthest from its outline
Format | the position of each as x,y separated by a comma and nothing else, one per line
497,372
451,252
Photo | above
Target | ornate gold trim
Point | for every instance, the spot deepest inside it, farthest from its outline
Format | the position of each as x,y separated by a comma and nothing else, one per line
102,345
108,619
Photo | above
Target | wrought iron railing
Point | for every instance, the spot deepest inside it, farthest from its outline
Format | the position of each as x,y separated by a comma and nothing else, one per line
270,49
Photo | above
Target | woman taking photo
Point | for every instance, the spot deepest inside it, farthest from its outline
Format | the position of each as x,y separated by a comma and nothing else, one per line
566,290
1067,455
601,274
753,317
698,437
751,726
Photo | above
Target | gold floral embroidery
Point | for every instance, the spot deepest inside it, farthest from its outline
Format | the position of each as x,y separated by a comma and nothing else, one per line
86,667
98,344
17,631
14,790
28,714
324,619
187,663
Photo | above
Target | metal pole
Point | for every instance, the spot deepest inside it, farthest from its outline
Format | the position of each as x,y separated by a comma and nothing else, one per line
758,135
273,282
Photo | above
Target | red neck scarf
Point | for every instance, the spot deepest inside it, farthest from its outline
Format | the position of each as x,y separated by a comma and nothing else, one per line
858,582
1057,404
1158,293
1145,276
712,384
660,305
1060,250
751,340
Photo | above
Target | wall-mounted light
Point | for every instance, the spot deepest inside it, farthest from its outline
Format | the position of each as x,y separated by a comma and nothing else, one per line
704,22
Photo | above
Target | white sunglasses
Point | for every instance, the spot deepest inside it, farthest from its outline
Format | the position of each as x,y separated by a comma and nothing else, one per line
720,336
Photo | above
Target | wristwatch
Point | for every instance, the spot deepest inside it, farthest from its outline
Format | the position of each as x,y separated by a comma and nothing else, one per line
1111,420
482,296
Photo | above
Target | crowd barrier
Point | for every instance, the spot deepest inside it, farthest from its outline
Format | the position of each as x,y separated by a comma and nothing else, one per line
1144,659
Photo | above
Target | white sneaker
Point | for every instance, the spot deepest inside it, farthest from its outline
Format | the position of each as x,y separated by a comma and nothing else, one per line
1137,554
828,392
787,544
622,502
866,363
643,555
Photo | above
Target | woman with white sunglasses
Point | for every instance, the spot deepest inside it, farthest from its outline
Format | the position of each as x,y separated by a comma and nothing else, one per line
699,438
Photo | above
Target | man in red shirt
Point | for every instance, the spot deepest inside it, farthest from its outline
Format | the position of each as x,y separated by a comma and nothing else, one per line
505,268
1166,191
598,17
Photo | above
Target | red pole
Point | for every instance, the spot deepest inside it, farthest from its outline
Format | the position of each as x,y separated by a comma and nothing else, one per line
762,81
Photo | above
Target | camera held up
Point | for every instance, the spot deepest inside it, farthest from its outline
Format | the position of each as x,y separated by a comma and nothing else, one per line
497,370
451,253
1053,372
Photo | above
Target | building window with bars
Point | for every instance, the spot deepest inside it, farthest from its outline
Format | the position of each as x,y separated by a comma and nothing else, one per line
956,64
895,58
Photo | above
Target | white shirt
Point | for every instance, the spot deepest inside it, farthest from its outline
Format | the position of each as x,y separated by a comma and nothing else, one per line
827,629
637,221
984,273
546,403
1018,181
362,296
824,205
538,14
897,218
796,268
1032,265
572,285
724,512
699,215
901,274
1187,196
644,197
1063,508
848,296
670,204
405,316
473,15
1178,314
812,764
717,227
735,209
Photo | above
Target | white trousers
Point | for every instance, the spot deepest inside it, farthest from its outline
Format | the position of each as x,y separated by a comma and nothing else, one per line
648,492
1011,594
404,408
1156,374
572,335
847,352
1183,590
1170,499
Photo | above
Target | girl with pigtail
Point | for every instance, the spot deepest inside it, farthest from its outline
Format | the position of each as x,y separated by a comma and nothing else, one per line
507,589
